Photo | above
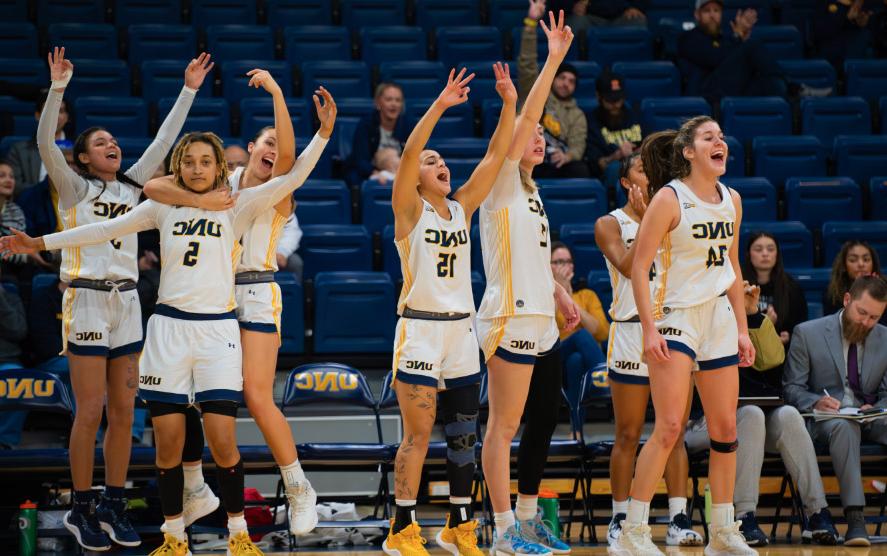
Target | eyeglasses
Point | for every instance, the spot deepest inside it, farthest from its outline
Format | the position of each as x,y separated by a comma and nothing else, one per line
561,262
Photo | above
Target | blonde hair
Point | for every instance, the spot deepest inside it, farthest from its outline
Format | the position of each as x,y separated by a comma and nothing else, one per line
526,180
181,148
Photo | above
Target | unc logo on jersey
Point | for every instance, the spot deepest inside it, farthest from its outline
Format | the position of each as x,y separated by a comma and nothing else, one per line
150,380
712,230
523,344
88,336
626,365
419,366
200,227
445,238
670,331
110,210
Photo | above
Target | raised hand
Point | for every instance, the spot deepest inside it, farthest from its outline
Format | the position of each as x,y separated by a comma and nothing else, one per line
504,84
456,91
752,296
60,68
326,112
19,242
261,78
197,70
560,36
217,200
537,9
636,200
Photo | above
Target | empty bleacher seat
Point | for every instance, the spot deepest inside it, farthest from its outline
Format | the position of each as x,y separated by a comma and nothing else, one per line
84,40
507,14
541,45
161,42
239,42
670,112
882,109
131,12
814,201
235,81
483,86
834,234
18,39
599,282
735,156
818,74
457,121
570,201
814,310
829,117
782,156
340,78
323,202
783,42
355,312
106,77
795,241
580,239
746,117
15,10
292,315
813,282
866,78
316,42
607,45
758,198
431,14
390,257
585,82
70,11
462,154
22,114
392,44
351,110
162,78
132,149
30,71
375,206
335,247
120,116
860,157
649,79
459,44
368,13
221,12
324,167
257,113
206,114
281,13
418,79
878,198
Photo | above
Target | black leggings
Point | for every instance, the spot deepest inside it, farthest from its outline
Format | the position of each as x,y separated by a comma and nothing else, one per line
540,419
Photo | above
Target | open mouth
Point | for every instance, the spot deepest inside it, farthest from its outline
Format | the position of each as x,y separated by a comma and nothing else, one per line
267,163
112,156
719,156
444,176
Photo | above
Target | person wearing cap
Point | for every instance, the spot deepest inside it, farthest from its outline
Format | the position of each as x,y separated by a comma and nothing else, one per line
615,131
564,123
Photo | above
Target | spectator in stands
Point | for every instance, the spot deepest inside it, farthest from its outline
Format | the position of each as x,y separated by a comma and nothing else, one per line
841,30
25,159
615,130
384,128
844,355
781,299
11,216
718,65
600,13
40,203
13,328
385,161
45,322
235,157
287,257
564,123
856,258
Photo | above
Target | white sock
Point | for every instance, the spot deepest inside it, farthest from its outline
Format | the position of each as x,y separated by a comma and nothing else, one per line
620,507
638,512
526,507
193,477
503,521
176,528
236,525
676,505
722,515
292,474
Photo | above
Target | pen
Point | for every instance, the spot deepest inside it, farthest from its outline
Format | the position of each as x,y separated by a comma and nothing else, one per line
826,393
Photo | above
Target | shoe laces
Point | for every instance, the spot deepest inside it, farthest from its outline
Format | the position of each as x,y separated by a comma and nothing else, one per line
242,544
542,531
732,533
466,535
639,535
171,546
411,539
297,497
522,544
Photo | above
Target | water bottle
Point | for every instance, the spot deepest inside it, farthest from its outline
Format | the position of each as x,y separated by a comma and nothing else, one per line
27,527
548,503
707,503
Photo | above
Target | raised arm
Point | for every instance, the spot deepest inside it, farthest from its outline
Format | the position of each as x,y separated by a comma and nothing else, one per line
736,292
560,37
283,125
608,235
528,57
478,186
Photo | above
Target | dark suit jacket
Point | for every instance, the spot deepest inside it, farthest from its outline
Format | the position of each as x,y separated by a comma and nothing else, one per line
25,161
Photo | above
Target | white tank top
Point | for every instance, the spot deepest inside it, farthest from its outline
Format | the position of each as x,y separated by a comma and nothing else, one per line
435,260
623,306
516,246
695,266
259,242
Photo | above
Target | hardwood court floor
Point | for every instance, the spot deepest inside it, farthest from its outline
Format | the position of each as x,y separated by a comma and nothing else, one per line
778,550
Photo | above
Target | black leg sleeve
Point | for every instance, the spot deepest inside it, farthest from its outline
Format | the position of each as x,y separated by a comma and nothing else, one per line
171,483
540,416
193,449
231,487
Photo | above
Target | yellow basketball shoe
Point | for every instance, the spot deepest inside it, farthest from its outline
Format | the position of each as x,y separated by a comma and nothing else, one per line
460,540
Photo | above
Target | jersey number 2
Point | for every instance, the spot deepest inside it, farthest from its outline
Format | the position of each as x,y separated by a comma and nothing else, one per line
190,258
445,267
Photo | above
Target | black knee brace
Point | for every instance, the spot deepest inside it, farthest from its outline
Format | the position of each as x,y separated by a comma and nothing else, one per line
159,409
724,447
231,487
171,483
219,407
459,408
194,441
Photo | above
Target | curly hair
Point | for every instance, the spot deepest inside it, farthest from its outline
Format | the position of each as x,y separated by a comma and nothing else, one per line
840,281
181,148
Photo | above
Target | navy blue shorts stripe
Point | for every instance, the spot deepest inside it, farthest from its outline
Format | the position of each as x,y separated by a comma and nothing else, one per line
557,345
718,363
420,380
259,327
219,394
88,350
172,312
520,358
462,381
168,397
682,347
622,378
127,349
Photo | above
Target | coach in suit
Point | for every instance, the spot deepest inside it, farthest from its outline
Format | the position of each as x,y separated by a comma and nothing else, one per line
841,361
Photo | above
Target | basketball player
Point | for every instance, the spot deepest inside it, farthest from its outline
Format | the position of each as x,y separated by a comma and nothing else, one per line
436,352
516,320
695,318
614,233
102,323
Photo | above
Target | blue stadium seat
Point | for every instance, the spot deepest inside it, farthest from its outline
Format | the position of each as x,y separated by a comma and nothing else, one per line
829,117
745,117
121,116
579,237
457,121
813,281
866,78
834,234
814,201
569,201
256,113
292,316
18,39
161,42
735,157
162,78
108,77
483,86
814,310
599,282
84,40
781,156
222,12
132,12
316,42
675,10
392,44
239,42
418,79
132,149
281,13
335,247
14,10
758,198
70,11
456,45
31,71
351,110
813,73
878,197
375,206
323,202
541,45
369,13
507,14
783,42
462,154
390,257
355,312
235,81
588,73
670,112
206,114
323,170
41,391
607,45
882,109
8,141
489,115
649,79
340,78
795,241
860,157
477,259
431,14
22,114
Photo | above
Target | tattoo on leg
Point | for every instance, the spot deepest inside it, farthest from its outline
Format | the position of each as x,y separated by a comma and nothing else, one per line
132,371
401,481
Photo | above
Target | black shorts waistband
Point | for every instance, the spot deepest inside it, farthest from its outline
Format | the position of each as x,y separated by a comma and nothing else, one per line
430,315
632,319
172,312
263,277
103,285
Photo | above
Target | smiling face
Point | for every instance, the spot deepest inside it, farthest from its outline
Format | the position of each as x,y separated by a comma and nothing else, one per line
101,156
390,103
534,151
858,262
199,168
262,154
7,181
762,253
434,176
708,155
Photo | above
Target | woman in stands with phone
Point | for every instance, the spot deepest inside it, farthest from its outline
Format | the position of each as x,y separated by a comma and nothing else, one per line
271,154
436,352
102,322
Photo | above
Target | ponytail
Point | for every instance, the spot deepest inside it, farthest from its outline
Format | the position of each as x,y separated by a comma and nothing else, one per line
663,153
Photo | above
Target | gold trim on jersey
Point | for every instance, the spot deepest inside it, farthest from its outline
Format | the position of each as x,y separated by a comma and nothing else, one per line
276,306
494,336
71,255
401,341
614,280
502,226
67,316
235,258
610,342
404,248
666,264
276,229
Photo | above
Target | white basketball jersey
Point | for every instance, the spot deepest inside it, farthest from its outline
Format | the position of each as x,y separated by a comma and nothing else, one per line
695,265
623,306
435,260
113,260
259,242
516,245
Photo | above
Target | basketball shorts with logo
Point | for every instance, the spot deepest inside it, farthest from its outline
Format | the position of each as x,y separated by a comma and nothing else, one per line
97,322
259,306
625,356
707,333
437,353
186,360
517,339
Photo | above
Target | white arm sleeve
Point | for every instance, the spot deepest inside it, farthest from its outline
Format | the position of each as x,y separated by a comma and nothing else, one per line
71,186
505,187
143,217
290,237
153,156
